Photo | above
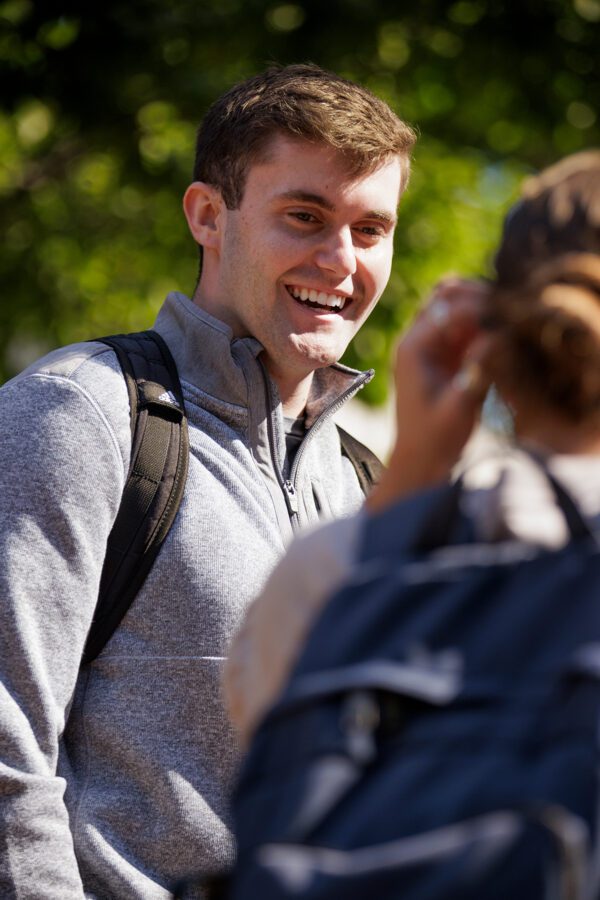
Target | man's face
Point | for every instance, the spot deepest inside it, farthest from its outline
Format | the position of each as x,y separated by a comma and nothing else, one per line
306,256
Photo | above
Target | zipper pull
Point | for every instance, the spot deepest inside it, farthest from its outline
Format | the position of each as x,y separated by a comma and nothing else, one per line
291,497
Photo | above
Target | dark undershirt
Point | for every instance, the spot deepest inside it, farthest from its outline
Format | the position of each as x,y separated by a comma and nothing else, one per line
295,430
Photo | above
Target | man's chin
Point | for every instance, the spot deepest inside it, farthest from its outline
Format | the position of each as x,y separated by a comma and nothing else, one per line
316,354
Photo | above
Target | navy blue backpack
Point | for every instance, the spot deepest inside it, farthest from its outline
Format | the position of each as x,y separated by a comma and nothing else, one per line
439,735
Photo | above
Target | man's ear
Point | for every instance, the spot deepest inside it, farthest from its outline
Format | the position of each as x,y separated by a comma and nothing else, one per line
203,207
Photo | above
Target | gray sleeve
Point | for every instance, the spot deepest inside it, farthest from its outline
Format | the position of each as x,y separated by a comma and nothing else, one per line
61,477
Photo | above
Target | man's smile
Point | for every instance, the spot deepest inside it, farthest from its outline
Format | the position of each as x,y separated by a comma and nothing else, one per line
318,299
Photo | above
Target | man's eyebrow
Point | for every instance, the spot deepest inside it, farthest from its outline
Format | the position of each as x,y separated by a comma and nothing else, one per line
300,196
308,197
382,216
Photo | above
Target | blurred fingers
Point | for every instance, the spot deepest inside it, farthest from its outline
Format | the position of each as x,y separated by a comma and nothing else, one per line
473,378
438,311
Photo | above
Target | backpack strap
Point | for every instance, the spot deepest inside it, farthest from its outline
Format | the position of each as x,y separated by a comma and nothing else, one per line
367,465
446,523
155,483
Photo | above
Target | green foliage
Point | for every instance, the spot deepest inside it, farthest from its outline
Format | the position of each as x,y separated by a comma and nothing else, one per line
101,107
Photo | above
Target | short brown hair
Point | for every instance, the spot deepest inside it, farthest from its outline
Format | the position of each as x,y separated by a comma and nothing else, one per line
302,101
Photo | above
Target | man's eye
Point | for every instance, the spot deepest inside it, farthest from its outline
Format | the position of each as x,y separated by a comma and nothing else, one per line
371,230
304,216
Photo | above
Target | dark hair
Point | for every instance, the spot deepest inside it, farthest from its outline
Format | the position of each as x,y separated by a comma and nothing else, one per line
302,101
559,212
549,336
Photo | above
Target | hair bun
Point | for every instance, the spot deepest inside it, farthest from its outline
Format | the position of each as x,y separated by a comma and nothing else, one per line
550,335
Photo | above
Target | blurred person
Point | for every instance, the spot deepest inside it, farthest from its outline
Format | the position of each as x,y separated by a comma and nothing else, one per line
114,777
535,334
436,734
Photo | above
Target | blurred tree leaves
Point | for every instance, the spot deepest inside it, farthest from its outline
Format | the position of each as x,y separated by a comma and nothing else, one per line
101,103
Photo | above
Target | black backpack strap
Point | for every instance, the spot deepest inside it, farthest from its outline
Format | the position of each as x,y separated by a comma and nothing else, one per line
367,466
155,483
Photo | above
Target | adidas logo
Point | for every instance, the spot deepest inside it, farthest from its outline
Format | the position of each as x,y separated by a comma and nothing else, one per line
168,397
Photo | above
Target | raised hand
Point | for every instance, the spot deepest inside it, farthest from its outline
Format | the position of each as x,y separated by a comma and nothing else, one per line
440,386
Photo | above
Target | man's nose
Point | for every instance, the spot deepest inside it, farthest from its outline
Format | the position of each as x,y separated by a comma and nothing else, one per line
337,253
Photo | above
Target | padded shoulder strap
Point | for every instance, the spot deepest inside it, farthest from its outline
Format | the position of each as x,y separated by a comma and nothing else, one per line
367,465
156,480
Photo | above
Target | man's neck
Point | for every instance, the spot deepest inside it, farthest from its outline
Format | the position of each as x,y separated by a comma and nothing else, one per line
294,399
293,392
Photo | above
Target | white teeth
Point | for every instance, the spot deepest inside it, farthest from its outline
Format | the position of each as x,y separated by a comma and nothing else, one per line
319,297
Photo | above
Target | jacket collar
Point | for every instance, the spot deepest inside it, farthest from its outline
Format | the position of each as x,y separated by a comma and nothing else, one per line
210,359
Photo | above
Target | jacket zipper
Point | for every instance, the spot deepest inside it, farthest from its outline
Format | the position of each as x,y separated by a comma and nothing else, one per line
288,486
326,414
291,498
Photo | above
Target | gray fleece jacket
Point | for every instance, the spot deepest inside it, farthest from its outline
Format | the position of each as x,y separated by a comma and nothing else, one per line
114,779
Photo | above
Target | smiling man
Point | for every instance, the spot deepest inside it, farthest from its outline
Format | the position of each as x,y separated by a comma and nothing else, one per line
303,259
115,776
